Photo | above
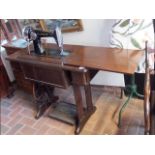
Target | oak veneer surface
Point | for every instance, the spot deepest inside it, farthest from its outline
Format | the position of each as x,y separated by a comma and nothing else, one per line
101,58
109,59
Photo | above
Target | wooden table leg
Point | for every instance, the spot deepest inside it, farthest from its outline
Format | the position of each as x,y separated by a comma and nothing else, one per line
152,113
44,97
79,108
147,118
147,108
83,114
90,107
89,103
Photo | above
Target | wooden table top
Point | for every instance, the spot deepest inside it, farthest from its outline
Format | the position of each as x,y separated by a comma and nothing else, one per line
100,58
108,59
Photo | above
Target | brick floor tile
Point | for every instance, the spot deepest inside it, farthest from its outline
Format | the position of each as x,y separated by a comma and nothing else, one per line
27,121
4,119
15,103
42,130
3,129
28,112
14,129
5,111
39,123
53,122
66,128
5,103
14,112
14,120
18,116
26,130
55,131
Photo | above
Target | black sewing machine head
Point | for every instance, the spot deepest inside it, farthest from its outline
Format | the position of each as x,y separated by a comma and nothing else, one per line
36,35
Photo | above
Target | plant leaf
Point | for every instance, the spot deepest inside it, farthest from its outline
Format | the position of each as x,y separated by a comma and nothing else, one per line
125,23
135,43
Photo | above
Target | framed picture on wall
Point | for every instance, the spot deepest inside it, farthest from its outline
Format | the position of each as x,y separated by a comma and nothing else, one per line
35,23
68,25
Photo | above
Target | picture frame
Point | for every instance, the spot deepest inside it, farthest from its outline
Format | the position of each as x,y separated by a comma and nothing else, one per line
35,23
68,25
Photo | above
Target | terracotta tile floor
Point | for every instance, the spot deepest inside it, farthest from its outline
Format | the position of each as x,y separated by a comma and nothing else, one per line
17,115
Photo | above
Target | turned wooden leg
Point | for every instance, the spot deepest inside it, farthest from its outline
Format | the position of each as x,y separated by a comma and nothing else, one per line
147,108
147,118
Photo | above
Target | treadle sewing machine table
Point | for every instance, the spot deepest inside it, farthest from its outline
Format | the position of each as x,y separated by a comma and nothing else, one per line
77,69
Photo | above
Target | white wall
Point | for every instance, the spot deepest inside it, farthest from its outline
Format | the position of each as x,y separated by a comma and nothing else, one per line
96,33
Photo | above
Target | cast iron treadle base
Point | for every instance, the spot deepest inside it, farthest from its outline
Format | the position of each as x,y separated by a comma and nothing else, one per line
65,112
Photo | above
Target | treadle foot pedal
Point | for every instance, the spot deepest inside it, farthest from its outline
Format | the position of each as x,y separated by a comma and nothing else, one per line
65,112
